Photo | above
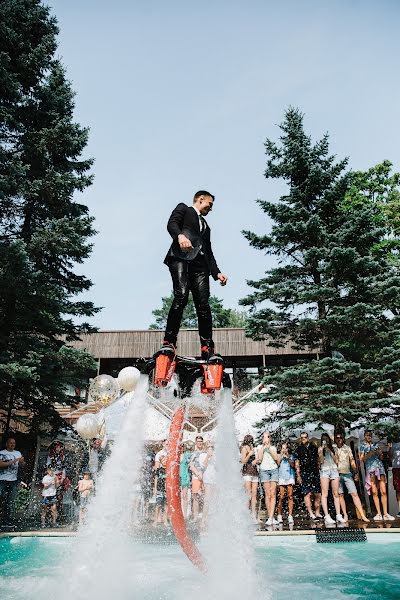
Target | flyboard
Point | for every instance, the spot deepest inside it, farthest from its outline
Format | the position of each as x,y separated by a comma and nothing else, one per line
188,370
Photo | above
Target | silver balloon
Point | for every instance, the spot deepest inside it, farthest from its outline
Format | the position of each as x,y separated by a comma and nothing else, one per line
104,389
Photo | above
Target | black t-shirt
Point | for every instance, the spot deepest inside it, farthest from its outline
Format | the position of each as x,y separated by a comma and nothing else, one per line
308,458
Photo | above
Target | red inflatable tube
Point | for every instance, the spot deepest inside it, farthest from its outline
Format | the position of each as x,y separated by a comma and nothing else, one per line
174,491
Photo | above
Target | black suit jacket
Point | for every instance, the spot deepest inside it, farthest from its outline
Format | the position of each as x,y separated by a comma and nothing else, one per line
184,219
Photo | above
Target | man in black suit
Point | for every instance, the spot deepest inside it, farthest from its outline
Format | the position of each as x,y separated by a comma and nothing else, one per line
191,261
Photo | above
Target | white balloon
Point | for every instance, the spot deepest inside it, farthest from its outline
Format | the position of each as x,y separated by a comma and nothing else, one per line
128,378
88,426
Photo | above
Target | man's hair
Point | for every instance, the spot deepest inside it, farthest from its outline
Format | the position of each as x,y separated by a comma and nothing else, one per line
304,433
202,193
199,437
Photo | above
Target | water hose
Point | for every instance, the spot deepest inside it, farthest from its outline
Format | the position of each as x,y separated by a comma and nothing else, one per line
174,491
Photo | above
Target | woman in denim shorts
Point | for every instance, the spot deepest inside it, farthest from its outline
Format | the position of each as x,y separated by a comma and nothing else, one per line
250,473
267,458
329,475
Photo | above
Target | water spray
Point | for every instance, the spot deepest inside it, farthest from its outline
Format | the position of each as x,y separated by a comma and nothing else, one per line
212,376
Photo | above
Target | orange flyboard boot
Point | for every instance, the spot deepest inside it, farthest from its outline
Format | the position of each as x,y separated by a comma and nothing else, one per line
165,367
213,372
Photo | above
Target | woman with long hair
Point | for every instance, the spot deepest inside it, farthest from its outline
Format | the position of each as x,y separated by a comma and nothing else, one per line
286,479
329,476
250,473
267,458
375,476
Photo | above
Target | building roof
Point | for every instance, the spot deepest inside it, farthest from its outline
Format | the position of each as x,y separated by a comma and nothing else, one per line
135,344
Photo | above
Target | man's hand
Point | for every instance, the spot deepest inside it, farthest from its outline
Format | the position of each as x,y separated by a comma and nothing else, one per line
222,278
184,243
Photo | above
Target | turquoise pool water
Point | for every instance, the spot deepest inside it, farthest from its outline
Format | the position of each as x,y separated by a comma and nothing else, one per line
295,567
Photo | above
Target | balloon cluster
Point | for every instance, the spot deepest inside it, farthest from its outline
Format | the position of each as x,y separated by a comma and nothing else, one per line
104,389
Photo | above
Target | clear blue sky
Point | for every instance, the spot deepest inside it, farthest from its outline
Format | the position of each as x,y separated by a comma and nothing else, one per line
180,96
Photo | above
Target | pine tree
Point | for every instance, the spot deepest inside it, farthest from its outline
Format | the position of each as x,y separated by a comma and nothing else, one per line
328,291
44,231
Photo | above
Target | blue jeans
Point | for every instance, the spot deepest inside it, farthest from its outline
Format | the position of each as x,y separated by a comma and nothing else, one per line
8,491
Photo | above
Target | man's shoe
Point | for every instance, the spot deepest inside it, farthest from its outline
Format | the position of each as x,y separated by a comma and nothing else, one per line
207,352
167,348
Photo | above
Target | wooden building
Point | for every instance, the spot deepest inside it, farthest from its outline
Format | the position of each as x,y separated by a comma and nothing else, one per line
117,349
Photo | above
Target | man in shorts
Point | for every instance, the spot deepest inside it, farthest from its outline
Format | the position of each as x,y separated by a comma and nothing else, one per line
307,472
346,465
197,466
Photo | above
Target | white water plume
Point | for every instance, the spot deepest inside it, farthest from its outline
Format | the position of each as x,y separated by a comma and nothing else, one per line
229,548
100,568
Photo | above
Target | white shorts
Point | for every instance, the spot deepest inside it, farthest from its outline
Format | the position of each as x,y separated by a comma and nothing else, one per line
289,481
252,478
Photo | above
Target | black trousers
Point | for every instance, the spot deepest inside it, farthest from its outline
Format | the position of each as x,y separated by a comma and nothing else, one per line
190,276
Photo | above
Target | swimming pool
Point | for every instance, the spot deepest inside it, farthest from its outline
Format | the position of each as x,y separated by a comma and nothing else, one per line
296,567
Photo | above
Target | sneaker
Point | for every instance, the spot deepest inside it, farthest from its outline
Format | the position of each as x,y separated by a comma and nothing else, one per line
269,521
388,517
290,520
313,517
398,515
275,522
339,518
279,519
329,520
378,517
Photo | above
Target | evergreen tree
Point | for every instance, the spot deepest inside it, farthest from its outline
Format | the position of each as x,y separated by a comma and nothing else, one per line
44,231
222,317
329,291
378,189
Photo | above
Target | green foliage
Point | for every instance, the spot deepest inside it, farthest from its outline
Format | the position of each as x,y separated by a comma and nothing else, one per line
332,291
222,317
44,231
378,189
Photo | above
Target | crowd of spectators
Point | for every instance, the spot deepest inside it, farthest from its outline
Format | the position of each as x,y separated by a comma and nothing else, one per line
317,472
323,478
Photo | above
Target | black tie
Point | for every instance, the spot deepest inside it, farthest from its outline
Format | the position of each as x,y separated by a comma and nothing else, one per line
203,224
